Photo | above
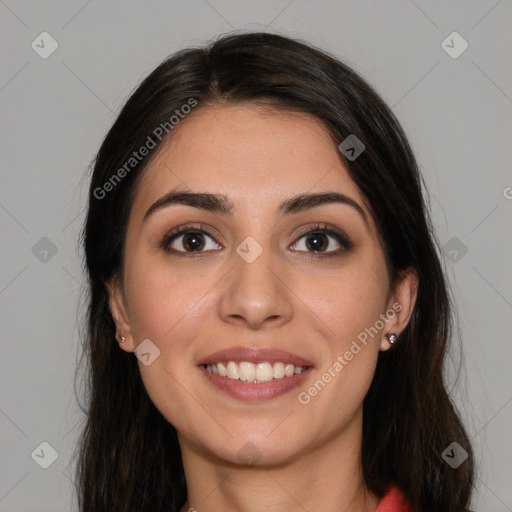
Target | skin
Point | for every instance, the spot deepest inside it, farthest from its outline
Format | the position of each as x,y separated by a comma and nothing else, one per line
288,298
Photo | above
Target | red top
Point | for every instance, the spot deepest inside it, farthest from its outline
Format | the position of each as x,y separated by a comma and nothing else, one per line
394,501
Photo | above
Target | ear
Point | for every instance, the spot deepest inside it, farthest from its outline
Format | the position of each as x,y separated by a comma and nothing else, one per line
119,312
400,305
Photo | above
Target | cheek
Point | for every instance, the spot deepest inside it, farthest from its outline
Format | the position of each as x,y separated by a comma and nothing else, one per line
162,300
345,308
348,302
169,308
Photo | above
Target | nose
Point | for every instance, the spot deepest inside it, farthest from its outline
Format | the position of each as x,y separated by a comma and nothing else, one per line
257,294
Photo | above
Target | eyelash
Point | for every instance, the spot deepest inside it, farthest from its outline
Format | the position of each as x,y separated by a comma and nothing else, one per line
323,229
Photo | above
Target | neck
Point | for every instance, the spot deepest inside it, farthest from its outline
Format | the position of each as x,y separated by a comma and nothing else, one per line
328,478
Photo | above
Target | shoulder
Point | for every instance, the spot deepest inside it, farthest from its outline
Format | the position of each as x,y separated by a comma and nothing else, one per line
394,501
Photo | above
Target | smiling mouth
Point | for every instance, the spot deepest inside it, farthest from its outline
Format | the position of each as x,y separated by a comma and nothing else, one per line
257,373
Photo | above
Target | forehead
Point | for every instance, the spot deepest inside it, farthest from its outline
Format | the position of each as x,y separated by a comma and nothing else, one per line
253,155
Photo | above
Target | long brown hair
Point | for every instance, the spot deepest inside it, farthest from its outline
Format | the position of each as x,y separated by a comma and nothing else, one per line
128,454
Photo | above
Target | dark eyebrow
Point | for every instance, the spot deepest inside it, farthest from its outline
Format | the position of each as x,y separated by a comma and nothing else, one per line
306,201
202,200
220,204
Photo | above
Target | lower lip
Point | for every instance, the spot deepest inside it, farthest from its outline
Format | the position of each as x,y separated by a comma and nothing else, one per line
250,391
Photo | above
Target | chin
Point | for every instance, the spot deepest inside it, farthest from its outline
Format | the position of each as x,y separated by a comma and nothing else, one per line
253,450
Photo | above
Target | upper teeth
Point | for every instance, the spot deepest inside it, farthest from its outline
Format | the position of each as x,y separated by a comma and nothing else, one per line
250,372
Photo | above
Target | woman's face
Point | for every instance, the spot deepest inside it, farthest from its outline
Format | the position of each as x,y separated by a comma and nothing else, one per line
246,278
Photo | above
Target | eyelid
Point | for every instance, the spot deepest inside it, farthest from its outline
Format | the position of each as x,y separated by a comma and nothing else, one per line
321,227
326,229
174,233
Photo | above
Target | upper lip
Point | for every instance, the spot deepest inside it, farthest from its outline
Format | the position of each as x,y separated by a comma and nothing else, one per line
254,355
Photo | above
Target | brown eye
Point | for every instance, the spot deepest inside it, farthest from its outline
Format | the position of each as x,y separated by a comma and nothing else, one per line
189,241
323,241
317,242
193,241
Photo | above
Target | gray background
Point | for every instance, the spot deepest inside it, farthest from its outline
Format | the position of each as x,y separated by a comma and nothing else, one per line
55,112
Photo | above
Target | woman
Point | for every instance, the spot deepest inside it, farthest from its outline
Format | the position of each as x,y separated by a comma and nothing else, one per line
258,244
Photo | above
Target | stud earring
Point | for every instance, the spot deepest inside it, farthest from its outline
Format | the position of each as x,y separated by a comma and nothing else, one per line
391,337
120,339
